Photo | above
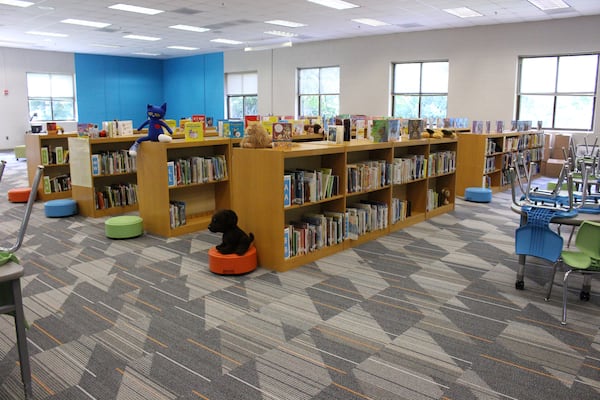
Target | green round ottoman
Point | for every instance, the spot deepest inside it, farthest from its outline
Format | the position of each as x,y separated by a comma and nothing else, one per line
124,227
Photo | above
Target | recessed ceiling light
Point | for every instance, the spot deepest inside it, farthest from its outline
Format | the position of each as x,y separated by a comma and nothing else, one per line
108,46
549,4
189,28
50,34
337,4
135,9
140,37
370,22
85,23
141,53
182,48
281,33
282,22
463,12
273,47
16,3
226,41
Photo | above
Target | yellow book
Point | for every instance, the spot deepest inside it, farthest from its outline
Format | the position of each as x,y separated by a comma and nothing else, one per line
194,131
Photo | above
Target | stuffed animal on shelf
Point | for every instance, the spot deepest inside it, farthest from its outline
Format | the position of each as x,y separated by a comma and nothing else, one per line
235,240
256,136
445,196
155,124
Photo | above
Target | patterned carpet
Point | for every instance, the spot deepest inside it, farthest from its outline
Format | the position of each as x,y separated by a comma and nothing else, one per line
429,312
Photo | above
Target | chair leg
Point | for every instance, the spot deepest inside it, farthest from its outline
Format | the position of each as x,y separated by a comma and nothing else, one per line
571,236
565,291
586,287
22,338
559,261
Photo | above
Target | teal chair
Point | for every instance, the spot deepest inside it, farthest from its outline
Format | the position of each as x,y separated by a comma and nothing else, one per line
585,260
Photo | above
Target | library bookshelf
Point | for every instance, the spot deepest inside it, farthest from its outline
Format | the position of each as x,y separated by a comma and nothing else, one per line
103,175
484,159
51,151
258,192
158,191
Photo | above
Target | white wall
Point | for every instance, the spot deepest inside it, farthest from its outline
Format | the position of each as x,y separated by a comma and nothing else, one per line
483,65
14,111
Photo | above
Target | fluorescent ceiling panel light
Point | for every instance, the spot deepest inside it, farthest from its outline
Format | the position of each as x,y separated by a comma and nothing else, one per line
189,28
49,34
257,48
135,9
281,33
226,41
281,22
140,37
85,23
109,46
182,48
463,12
147,54
16,3
549,4
370,22
337,4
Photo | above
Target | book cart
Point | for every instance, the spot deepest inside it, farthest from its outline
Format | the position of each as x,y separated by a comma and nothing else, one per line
103,175
182,183
51,151
366,175
486,158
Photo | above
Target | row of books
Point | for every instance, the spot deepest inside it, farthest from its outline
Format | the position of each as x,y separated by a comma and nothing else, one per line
186,171
116,195
60,183
523,142
490,164
303,186
408,168
318,230
441,162
491,146
113,162
368,175
401,209
434,199
177,213
54,155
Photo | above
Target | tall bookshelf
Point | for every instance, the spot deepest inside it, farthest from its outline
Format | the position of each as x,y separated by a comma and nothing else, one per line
486,158
41,149
171,208
258,192
103,176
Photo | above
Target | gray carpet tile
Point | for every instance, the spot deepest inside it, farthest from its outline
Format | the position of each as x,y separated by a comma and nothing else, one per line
427,312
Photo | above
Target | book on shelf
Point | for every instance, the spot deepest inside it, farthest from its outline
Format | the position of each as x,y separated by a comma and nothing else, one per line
335,134
286,242
380,130
194,131
236,129
223,128
287,190
394,127
46,184
415,128
59,155
282,134
251,119
96,169
171,181
45,155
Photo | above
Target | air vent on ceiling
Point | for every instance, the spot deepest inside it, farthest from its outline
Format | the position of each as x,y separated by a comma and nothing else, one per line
109,29
410,25
186,11
228,24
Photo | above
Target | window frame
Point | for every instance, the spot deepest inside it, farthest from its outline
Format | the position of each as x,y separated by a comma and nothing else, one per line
557,94
52,100
320,95
245,96
420,94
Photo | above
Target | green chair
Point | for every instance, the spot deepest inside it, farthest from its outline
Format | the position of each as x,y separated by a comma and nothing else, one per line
585,260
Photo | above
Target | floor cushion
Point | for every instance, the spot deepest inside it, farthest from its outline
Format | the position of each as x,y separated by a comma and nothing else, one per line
478,194
124,227
60,208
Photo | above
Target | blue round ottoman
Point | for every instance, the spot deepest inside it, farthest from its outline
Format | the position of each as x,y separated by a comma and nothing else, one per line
478,194
124,227
60,208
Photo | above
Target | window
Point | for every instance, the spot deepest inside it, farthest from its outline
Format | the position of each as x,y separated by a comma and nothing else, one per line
242,94
560,91
420,90
51,97
319,92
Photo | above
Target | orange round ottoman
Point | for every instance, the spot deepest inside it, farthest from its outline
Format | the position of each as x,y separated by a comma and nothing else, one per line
19,195
232,264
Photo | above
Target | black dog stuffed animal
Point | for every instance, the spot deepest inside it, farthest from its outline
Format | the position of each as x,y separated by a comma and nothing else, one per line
235,240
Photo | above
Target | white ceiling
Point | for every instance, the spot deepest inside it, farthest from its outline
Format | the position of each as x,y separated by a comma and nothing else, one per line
243,20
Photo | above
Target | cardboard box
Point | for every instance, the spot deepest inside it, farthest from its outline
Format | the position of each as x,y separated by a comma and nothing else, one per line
553,167
559,142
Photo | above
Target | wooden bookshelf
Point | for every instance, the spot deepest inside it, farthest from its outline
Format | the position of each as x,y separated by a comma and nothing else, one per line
485,158
258,193
88,182
35,144
201,199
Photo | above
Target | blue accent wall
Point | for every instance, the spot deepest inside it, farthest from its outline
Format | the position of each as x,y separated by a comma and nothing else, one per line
111,88
194,85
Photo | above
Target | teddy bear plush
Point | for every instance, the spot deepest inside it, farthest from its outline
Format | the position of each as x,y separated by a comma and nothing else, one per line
234,240
256,136
155,124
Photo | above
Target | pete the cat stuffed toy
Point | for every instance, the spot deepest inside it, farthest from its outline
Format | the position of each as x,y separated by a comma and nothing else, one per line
155,124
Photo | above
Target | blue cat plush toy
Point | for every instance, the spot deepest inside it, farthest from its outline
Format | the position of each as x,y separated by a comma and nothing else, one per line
155,127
